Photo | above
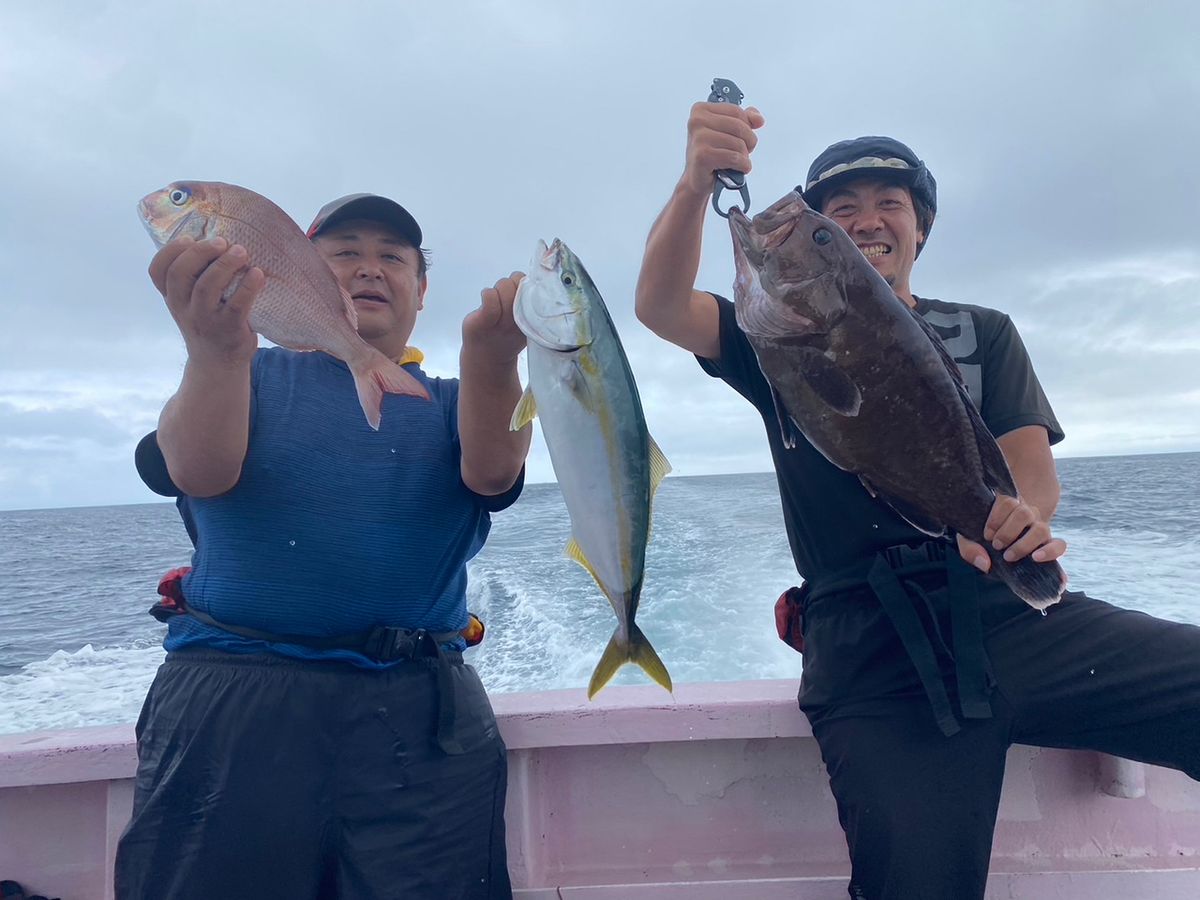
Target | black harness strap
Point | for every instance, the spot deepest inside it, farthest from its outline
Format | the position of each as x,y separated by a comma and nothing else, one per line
899,608
970,659
891,577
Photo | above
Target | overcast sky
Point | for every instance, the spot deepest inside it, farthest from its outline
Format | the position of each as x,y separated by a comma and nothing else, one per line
1065,138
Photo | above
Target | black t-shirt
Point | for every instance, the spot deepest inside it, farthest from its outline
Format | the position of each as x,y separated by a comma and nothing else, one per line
831,520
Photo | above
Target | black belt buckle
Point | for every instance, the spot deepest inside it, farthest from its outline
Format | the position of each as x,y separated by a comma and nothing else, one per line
388,644
902,556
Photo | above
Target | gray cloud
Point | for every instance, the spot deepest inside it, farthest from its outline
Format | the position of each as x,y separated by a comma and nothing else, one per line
1062,139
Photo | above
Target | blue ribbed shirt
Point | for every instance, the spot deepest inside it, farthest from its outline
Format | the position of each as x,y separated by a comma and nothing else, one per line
334,528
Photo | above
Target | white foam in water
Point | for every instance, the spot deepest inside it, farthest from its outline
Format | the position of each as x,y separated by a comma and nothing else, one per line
717,561
87,687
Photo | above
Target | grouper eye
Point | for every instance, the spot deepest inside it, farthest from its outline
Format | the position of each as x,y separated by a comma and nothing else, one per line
178,196
822,236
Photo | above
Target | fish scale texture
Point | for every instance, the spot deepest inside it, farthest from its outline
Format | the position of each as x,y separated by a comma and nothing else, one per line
301,306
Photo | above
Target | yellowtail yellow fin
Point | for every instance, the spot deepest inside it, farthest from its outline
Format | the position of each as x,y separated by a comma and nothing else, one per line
525,411
659,467
636,650
575,552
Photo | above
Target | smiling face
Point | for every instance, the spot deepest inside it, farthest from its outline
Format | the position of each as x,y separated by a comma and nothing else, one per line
381,271
881,219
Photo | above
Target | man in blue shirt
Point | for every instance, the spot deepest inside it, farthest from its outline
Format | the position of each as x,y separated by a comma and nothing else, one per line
313,731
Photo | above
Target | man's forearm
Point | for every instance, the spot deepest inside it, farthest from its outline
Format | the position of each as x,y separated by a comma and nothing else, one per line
492,454
672,259
204,429
1027,451
1038,490
667,301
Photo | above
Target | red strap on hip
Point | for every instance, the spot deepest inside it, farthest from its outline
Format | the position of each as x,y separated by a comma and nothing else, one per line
789,619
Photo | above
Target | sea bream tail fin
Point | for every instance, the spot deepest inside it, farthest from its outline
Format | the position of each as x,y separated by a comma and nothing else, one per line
525,411
634,649
376,375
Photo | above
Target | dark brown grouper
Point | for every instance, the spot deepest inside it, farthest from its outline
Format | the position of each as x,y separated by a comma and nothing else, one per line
869,383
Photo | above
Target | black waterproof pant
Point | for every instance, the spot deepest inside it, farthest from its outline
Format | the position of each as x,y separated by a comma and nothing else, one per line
919,807
266,777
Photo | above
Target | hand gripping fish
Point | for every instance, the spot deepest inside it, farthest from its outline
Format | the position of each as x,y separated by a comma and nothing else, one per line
608,466
869,383
301,307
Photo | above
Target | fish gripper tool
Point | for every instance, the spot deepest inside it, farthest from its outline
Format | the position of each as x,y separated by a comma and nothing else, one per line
725,91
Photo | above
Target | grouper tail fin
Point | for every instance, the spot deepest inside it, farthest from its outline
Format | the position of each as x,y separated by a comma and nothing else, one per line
635,649
1040,584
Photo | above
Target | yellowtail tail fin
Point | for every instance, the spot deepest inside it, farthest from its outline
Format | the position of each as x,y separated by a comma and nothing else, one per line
636,650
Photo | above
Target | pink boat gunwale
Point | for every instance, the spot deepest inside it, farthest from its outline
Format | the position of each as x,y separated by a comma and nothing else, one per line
716,791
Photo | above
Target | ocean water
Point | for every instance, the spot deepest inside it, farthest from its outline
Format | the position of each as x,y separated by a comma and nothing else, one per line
77,647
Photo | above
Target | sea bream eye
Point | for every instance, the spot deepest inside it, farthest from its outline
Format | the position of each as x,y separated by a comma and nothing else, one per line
822,236
178,196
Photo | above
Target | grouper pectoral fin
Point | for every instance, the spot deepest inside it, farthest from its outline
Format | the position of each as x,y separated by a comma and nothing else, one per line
829,382
636,649
866,482
914,517
525,411
789,431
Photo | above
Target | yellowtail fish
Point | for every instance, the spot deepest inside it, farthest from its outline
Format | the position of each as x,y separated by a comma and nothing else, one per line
608,467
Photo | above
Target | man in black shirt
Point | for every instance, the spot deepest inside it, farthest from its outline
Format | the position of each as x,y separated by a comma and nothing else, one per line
917,680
